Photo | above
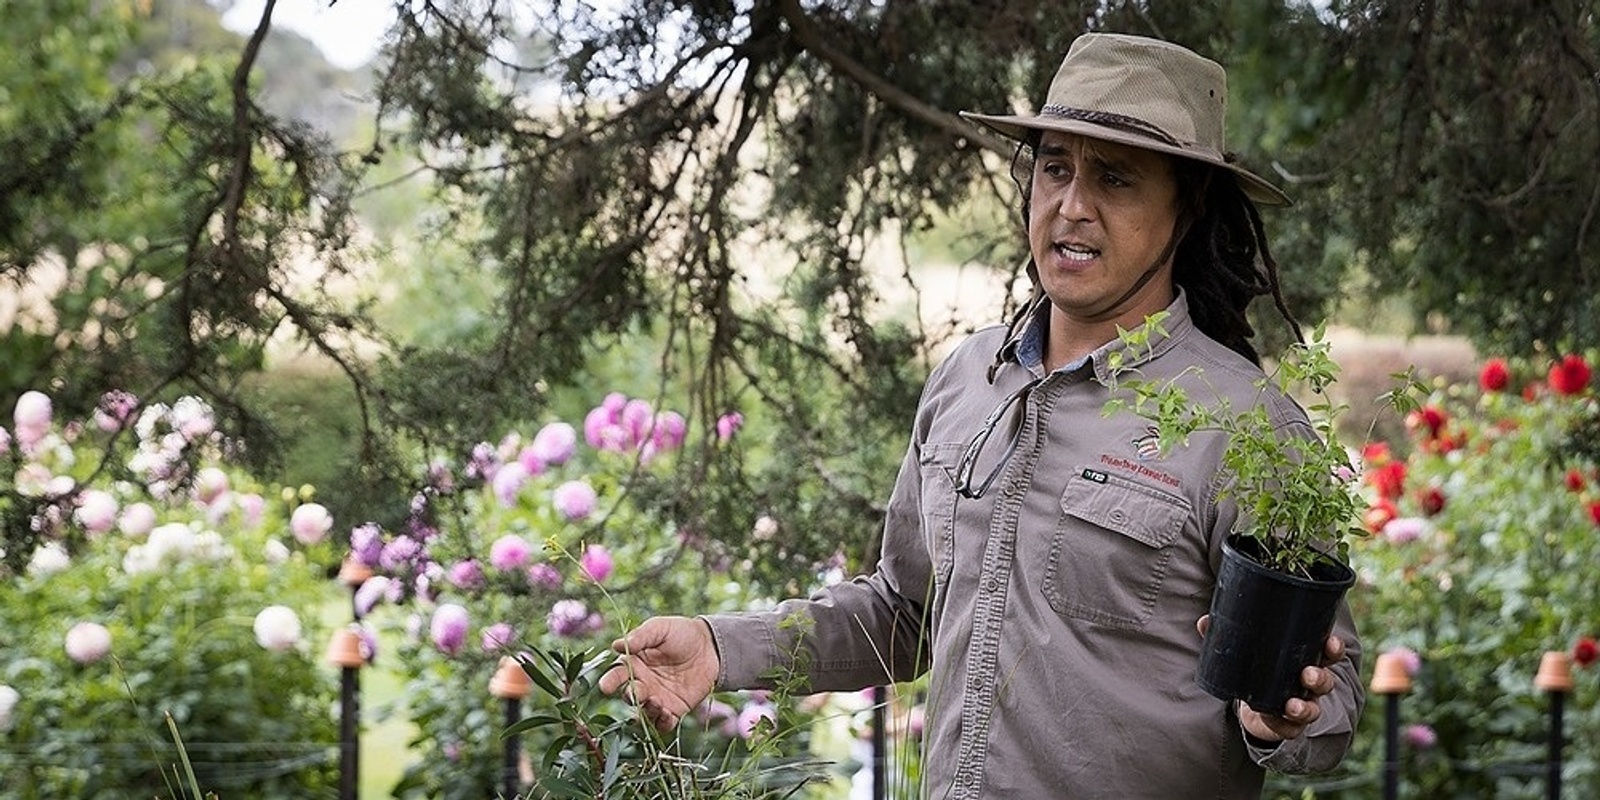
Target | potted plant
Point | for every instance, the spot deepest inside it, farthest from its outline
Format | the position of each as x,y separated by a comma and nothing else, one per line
1285,568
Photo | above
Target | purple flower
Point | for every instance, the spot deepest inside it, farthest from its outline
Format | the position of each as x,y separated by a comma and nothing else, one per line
423,583
1419,736
596,563
613,403
509,552
728,425
366,543
483,463
544,576
420,529
449,628
497,637
555,443
720,716
637,419
368,594
529,458
575,500
399,553
751,716
668,431
917,720
508,482
1405,529
603,430
438,476
1408,659
115,410
369,643
571,618
465,575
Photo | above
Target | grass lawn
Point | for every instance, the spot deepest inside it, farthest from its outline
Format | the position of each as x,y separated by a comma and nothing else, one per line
383,743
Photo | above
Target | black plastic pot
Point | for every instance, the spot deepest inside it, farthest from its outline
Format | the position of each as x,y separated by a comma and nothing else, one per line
1266,626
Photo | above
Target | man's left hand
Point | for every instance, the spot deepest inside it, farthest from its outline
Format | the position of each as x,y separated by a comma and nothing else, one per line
1297,713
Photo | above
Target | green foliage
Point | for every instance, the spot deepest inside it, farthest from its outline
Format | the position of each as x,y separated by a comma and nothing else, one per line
1488,565
316,417
493,537
156,221
178,597
193,783
595,753
1296,493
1455,158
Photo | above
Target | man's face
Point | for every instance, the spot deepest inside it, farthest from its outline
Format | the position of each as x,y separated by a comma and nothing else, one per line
1101,214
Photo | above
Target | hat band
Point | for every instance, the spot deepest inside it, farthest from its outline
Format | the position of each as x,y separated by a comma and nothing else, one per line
1110,120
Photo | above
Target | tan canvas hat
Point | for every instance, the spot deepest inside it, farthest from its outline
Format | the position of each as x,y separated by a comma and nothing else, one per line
1141,92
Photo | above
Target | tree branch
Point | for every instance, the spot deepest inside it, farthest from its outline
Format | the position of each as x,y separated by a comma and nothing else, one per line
809,36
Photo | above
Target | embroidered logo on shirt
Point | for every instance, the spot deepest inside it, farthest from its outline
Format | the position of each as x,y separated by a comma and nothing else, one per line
1135,468
1147,446
1095,475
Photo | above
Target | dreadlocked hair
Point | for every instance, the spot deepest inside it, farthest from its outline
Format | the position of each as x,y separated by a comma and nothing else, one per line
1217,261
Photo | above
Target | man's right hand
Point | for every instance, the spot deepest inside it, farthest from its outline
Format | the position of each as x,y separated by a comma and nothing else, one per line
669,665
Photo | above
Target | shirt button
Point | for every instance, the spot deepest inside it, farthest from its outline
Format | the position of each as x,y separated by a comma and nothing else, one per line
1117,515
990,585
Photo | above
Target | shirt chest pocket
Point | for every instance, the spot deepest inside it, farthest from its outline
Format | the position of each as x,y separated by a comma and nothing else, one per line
1112,549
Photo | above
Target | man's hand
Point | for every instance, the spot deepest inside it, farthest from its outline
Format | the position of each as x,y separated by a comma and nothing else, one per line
669,665
1297,713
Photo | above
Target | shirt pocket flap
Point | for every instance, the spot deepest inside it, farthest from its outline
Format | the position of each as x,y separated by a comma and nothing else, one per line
942,458
1148,516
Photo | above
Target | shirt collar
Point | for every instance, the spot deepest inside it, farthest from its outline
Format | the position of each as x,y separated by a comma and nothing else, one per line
1026,347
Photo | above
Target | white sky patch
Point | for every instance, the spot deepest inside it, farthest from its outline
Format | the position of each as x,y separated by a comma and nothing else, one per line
348,32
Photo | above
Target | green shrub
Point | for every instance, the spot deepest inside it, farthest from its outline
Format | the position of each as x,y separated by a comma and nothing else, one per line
544,546
143,600
1488,530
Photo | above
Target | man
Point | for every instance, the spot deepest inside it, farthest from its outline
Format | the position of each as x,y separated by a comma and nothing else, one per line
1042,558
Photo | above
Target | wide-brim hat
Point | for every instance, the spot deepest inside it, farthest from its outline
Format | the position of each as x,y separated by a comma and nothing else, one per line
1142,92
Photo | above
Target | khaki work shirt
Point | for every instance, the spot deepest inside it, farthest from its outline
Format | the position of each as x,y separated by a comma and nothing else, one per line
1057,611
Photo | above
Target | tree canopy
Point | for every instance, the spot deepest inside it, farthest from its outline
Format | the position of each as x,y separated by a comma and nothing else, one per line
716,178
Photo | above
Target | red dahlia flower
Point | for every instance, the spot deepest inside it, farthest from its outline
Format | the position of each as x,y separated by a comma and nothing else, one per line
1594,512
1585,651
1570,375
1378,515
1429,419
1389,479
1375,453
1431,500
1495,375
1575,481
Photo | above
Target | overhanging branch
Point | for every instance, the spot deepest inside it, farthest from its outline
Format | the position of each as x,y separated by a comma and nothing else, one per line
812,39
